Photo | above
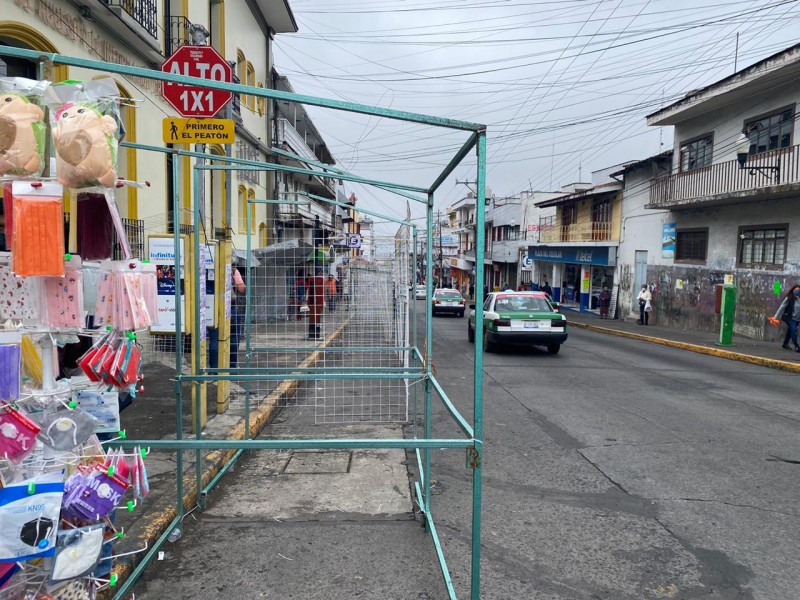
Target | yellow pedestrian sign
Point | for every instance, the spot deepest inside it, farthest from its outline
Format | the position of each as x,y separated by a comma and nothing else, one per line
198,131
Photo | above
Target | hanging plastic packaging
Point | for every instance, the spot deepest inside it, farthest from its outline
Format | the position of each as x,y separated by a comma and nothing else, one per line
103,406
120,297
38,247
10,369
86,131
32,361
150,291
77,552
19,297
116,219
17,434
63,297
65,430
22,127
29,515
94,493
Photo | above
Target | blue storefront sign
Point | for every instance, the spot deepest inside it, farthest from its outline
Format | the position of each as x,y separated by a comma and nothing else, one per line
594,255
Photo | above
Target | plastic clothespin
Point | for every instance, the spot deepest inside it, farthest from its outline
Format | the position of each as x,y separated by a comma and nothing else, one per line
68,256
131,505
144,452
72,404
123,435
112,581
130,335
146,261
111,470
31,488
119,535
108,327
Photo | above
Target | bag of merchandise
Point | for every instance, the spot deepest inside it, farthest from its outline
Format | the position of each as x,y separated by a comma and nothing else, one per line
22,127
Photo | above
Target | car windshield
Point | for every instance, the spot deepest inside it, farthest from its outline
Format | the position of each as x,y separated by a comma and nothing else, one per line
448,294
521,303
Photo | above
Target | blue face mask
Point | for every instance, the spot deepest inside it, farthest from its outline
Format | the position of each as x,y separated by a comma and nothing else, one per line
797,292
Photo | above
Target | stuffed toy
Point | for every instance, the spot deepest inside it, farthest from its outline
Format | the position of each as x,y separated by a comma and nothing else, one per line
22,132
86,148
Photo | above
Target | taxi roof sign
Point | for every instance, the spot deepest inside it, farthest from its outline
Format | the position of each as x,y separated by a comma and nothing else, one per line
198,131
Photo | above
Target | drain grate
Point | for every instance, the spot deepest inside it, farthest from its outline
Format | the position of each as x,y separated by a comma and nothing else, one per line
318,463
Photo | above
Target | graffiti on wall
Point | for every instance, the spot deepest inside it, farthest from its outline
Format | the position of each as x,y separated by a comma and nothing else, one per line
685,297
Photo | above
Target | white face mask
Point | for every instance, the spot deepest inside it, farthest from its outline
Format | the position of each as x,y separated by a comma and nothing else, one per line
77,551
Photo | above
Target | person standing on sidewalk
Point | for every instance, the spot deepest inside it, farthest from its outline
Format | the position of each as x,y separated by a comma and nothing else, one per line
315,298
330,293
644,298
237,315
604,300
789,313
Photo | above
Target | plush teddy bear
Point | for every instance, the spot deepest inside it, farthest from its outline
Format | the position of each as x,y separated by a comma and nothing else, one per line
22,131
86,149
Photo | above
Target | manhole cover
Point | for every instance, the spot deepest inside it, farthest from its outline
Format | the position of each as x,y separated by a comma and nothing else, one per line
318,463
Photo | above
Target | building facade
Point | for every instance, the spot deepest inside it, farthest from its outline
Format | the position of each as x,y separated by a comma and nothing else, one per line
731,197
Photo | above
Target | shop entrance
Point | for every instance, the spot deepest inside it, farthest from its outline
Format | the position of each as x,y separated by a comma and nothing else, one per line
601,277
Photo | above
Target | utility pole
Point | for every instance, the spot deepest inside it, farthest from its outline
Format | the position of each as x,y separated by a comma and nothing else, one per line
441,255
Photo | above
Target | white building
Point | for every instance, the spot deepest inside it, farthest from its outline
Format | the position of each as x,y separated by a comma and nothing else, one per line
718,216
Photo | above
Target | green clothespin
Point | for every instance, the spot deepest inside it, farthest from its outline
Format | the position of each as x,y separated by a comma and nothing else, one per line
131,505
112,581
145,261
123,435
776,288
108,327
119,535
31,488
68,256
72,404
111,470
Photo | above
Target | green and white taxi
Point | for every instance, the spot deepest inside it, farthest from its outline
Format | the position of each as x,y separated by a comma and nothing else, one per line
521,318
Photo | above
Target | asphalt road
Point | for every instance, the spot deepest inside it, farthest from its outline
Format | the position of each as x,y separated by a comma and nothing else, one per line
622,470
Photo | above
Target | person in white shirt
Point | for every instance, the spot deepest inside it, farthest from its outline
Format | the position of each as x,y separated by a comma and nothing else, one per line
644,298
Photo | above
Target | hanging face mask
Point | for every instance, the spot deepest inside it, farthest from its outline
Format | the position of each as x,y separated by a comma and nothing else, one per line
65,430
17,434
77,551
28,521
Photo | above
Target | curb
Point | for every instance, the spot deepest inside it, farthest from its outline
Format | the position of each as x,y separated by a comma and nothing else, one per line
156,523
771,363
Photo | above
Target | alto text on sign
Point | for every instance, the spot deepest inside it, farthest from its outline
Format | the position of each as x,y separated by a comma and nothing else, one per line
196,61
198,131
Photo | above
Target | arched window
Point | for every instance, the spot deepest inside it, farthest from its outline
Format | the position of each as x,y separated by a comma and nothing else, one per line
261,103
251,81
242,206
262,235
241,72
251,195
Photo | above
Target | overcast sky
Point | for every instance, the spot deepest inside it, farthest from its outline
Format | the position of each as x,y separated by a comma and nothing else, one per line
563,85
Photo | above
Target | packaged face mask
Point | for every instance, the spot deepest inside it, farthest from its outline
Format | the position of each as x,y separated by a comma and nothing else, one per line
77,551
17,434
95,494
65,430
28,522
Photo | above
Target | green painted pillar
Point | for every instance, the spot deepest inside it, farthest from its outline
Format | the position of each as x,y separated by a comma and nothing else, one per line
727,311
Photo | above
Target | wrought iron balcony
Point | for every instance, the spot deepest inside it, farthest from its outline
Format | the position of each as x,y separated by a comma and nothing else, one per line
727,181
144,12
179,34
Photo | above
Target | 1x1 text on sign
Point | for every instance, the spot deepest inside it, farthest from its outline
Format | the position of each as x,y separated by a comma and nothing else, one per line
196,61
198,131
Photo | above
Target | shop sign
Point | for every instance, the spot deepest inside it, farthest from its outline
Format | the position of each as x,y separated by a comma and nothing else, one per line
592,255
198,131
169,273
668,240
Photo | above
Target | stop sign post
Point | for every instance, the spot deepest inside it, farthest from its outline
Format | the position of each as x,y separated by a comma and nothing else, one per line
196,61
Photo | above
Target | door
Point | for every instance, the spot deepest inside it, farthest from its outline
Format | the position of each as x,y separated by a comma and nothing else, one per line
640,276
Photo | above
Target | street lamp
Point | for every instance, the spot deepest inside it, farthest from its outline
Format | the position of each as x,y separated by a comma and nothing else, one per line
742,153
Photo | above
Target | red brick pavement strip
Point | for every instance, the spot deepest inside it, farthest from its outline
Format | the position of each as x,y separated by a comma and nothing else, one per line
772,363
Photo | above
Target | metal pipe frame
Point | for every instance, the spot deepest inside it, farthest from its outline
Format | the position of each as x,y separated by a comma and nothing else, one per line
474,443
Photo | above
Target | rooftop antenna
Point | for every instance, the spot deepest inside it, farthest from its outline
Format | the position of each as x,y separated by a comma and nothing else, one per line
736,55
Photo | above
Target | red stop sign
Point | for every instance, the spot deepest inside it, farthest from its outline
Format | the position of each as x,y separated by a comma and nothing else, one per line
196,61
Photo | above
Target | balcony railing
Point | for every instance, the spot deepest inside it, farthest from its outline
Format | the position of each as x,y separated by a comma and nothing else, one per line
599,231
726,178
144,12
288,135
134,229
178,33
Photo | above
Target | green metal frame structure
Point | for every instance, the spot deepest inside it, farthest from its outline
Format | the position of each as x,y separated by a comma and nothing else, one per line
424,444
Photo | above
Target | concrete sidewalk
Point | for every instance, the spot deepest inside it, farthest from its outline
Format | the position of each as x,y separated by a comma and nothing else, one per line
153,415
768,354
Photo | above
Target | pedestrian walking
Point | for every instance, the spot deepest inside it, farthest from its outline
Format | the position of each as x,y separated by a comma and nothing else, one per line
463,288
789,313
604,301
330,293
237,314
645,307
545,287
472,291
315,298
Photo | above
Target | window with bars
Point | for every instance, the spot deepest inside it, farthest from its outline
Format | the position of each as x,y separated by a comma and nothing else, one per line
696,153
691,245
763,246
772,131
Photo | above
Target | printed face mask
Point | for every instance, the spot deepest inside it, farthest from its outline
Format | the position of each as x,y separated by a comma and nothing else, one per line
17,434
77,551
66,429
